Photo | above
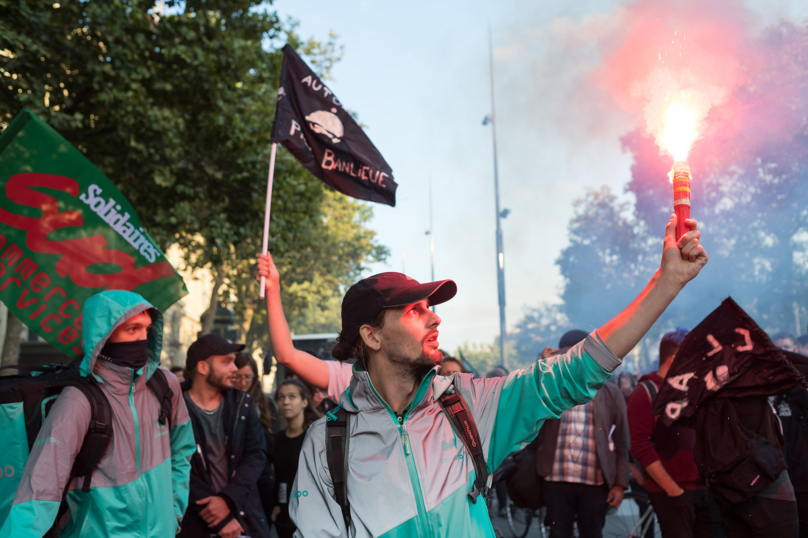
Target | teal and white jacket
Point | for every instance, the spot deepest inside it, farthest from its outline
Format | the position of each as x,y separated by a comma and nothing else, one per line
140,488
412,479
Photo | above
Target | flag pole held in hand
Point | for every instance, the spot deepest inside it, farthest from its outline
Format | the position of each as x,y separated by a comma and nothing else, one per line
267,211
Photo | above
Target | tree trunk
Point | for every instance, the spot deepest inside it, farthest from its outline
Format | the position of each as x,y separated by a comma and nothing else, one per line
210,314
11,347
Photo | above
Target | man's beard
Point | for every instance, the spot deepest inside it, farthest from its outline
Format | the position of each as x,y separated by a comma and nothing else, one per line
220,382
412,369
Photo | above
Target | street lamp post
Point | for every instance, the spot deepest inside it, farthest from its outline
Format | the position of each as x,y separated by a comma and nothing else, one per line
500,214
431,233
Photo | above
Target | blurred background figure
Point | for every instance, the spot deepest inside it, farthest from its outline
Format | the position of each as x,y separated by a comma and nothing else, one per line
178,371
450,365
297,407
802,345
785,341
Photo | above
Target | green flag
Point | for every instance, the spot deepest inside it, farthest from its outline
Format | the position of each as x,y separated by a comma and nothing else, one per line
67,233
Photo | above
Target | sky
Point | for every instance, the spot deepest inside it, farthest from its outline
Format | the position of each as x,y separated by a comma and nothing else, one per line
417,74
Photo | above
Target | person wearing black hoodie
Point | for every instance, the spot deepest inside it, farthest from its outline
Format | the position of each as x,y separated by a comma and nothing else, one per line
230,446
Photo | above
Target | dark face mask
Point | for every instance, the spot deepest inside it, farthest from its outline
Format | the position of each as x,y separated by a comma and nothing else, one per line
128,354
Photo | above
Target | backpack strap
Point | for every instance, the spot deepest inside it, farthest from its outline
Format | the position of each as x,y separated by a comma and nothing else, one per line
651,388
158,384
99,435
458,413
337,433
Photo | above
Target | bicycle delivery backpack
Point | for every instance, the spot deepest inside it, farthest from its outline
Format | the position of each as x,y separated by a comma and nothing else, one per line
25,401
338,431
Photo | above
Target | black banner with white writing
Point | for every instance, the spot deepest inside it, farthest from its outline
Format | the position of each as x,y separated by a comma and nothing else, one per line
727,353
311,123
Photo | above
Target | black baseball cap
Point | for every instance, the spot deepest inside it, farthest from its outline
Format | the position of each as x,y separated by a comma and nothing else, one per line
570,338
208,346
365,299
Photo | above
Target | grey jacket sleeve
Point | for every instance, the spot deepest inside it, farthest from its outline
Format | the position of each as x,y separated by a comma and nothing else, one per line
622,441
311,502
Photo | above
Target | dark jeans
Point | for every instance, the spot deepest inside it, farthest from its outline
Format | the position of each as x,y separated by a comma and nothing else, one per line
691,514
760,518
567,502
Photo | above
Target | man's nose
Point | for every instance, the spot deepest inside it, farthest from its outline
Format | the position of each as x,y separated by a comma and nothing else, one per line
434,320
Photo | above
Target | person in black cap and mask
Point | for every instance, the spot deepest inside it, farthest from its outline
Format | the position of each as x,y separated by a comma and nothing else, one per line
401,455
583,475
230,446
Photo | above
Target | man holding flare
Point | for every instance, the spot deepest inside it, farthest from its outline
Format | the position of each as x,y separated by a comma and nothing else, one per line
408,474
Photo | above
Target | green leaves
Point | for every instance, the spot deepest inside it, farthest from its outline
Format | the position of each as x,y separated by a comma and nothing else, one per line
177,109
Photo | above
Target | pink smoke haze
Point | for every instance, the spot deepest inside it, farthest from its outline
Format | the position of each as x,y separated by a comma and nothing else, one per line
671,64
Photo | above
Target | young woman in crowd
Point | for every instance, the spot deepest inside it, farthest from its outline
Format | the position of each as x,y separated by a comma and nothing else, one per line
247,379
450,365
296,406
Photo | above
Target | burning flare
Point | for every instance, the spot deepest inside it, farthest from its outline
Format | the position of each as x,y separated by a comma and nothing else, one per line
680,131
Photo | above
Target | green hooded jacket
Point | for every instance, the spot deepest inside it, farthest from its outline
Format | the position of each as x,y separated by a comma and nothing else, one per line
140,488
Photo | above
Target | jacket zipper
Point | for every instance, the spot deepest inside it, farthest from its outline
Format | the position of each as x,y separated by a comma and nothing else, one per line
235,425
423,528
137,439
416,482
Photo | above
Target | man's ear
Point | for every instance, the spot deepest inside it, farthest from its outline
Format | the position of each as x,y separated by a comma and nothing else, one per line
203,367
370,336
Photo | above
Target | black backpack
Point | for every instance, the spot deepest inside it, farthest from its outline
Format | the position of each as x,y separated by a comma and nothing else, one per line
736,461
35,390
337,433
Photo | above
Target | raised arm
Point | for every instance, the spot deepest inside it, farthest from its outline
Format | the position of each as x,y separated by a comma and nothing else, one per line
680,264
308,367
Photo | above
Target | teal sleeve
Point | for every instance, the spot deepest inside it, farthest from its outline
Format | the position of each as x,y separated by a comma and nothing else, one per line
549,387
30,519
509,411
182,448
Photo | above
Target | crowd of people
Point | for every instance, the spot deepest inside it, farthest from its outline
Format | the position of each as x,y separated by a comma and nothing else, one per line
409,439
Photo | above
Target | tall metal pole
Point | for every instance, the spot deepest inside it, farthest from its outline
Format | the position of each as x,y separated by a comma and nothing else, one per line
500,251
431,233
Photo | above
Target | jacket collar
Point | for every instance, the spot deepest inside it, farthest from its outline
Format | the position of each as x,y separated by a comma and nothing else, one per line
361,396
117,379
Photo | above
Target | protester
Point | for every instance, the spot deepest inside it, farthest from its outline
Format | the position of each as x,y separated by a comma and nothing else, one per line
178,371
450,365
785,341
295,404
407,472
802,345
626,382
583,475
247,379
122,339
230,442
497,371
682,503
792,409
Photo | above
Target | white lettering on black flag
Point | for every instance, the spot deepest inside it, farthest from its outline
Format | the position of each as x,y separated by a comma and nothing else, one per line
726,355
311,123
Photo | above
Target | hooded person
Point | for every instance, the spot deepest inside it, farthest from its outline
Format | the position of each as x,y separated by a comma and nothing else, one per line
140,487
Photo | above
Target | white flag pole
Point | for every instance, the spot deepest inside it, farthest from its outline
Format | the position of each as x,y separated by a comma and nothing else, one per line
266,213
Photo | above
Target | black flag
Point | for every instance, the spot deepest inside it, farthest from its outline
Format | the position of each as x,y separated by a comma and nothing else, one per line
726,353
311,123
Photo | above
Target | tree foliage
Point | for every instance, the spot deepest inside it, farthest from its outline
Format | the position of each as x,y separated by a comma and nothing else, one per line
176,108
